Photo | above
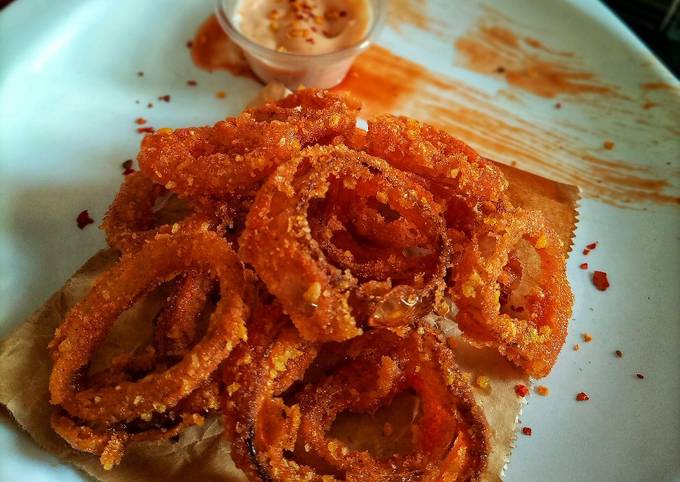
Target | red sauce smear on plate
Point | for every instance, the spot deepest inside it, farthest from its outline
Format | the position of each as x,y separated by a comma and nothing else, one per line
387,82
212,49
525,63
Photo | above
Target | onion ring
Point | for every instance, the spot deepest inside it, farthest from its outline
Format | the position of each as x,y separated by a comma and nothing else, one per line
326,302
261,427
236,154
435,155
175,328
318,116
450,437
485,275
130,220
87,323
467,186
133,217
110,441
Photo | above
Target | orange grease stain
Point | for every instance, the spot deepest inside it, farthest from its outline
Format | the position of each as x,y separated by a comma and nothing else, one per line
386,82
492,48
656,86
213,50
536,44
378,76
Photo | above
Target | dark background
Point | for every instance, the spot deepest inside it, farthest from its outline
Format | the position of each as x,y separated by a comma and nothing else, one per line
656,22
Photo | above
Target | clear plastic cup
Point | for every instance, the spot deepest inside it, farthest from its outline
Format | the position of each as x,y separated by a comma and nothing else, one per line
292,69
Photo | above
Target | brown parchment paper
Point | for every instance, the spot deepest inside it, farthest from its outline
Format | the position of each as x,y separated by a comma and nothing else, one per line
201,453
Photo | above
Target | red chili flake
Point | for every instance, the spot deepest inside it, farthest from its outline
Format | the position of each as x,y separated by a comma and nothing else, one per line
600,280
310,40
583,265
558,105
164,98
149,105
608,145
521,390
619,353
140,74
640,376
582,397
127,164
343,13
189,44
192,83
500,70
589,248
84,219
140,121
526,431
146,130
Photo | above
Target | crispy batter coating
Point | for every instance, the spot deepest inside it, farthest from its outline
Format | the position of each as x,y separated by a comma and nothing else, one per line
467,186
450,435
88,322
529,329
435,155
327,301
236,154
277,437
262,428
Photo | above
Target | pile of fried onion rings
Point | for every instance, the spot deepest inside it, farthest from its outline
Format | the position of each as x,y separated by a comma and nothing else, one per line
297,256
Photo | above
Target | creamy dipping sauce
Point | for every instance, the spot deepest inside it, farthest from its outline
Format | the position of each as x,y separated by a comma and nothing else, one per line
304,26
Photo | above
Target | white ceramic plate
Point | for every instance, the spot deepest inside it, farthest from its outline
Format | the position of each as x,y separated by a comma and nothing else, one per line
68,86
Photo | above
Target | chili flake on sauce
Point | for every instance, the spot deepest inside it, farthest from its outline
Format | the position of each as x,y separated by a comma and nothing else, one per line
526,431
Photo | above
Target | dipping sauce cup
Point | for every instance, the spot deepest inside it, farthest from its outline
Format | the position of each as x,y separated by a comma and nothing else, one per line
322,70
